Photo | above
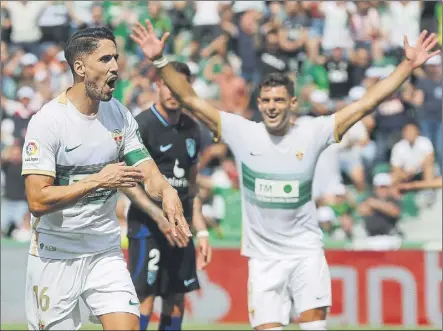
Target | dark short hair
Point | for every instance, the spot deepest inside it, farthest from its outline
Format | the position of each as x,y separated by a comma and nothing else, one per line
182,68
277,79
85,41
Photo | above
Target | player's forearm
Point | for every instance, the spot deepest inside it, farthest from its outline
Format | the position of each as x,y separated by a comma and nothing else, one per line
198,219
350,115
156,186
54,198
183,90
138,196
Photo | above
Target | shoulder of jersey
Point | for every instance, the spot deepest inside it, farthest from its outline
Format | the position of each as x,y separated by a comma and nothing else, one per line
52,109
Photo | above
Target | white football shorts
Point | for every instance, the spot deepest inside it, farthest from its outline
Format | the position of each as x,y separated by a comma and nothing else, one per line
54,287
273,285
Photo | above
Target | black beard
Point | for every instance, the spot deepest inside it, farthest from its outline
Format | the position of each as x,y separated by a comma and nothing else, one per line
94,92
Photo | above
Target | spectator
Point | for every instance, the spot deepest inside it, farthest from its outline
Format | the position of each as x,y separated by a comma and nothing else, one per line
336,33
24,16
54,22
412,158
389,120
381,211
429,99
14,204
338,68
272,57
404,19
6,24
357,150
326,218
247,48
293,35
339,201
206,21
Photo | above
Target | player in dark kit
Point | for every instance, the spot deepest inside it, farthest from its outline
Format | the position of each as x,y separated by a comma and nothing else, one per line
161,264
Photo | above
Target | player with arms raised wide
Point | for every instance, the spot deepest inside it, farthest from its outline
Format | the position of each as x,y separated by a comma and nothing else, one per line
71,164
276,161
162,265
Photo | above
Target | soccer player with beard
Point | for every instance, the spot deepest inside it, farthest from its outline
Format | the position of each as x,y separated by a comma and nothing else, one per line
72,166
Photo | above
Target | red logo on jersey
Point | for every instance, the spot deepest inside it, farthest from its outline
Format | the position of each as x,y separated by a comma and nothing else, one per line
118,137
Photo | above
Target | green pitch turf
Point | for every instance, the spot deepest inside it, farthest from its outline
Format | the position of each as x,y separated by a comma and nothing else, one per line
154,326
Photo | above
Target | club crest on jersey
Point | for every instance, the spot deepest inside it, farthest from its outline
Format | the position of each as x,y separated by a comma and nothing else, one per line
190,146
118,137
299,155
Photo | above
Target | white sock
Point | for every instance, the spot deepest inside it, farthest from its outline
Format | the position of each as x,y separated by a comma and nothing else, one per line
316,325
277,328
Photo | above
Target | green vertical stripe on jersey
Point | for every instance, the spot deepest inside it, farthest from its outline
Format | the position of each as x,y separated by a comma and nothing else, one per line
133,157
279,191
66,175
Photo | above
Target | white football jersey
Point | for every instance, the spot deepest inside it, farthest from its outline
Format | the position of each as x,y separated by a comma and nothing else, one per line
65,144
279,216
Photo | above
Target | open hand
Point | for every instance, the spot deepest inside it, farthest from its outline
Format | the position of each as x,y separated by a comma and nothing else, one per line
419,54
151,46
204,253
173,209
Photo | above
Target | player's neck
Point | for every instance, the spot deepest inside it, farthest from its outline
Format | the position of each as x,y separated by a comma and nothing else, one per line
172,117
83,103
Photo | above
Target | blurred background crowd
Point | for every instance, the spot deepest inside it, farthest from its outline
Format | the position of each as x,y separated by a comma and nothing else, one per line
333,50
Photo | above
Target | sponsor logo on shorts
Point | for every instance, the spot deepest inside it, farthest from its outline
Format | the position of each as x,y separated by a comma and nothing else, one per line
189,282
32,151
48,247
134,303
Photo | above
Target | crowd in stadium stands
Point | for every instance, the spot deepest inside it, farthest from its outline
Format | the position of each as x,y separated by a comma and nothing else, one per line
334,50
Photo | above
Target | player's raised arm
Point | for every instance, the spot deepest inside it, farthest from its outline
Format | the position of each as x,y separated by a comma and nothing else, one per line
414,58
152,47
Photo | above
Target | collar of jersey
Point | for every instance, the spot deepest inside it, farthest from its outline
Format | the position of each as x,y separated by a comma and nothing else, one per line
159,116
63,99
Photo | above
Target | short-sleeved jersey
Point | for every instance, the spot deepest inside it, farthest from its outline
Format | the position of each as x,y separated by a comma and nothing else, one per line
65,144
279,216
175,150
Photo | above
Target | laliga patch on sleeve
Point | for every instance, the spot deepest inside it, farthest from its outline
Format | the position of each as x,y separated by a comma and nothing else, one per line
31,151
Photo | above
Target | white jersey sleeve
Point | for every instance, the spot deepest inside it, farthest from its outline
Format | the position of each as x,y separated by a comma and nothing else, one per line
134,152
233,127
324,128
41,146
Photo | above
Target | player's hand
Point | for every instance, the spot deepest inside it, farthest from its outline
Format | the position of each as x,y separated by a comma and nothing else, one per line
173,210
181,240
146,38
118,175
204,252
419,54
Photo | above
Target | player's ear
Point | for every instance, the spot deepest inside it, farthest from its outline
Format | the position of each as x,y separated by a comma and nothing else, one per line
293,103
79,67
259,104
